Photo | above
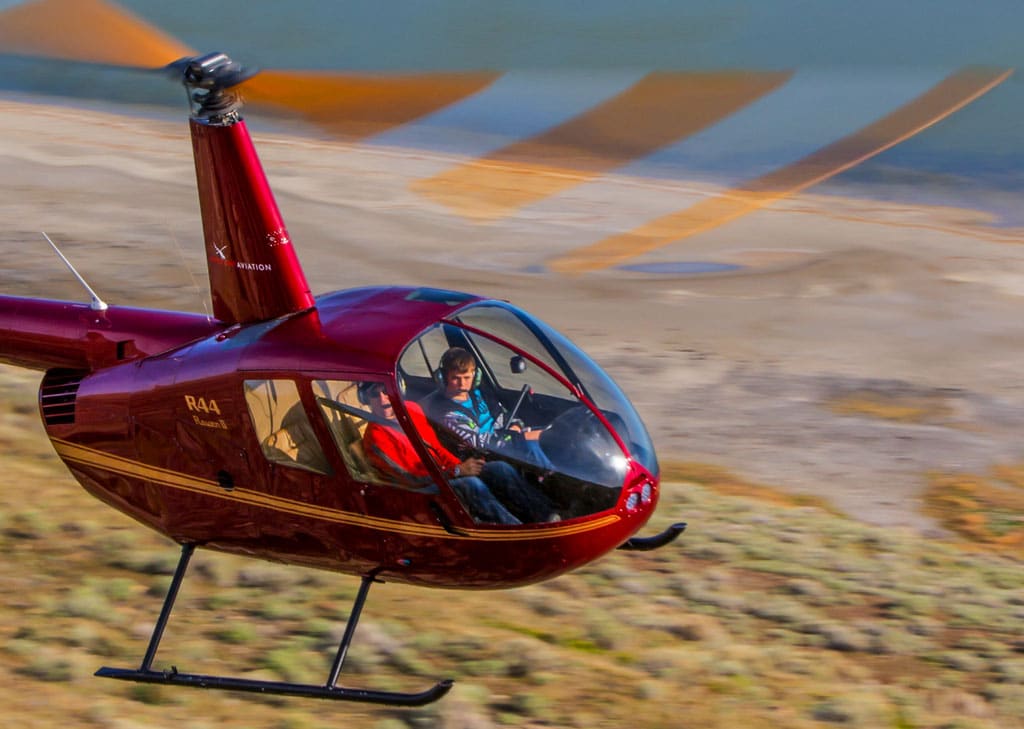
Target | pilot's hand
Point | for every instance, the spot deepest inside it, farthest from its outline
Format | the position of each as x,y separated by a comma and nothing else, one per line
532,434
471,467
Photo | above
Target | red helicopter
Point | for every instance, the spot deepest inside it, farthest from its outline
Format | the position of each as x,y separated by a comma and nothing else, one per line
245,432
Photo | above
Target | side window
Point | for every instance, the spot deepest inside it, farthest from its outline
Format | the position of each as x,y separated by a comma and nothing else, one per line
346,418
372,444
285,434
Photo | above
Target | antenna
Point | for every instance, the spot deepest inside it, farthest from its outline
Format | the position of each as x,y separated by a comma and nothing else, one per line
96,304
184,264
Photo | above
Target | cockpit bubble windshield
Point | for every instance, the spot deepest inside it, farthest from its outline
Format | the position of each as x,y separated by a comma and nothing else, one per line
498,385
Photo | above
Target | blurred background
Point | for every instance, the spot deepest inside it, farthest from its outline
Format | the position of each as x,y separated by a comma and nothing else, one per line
832,380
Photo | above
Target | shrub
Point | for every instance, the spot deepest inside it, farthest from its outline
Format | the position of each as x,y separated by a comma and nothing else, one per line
293,665
86,602
25,525
237,633
47,667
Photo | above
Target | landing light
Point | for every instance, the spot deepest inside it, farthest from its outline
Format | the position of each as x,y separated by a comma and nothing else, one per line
643,494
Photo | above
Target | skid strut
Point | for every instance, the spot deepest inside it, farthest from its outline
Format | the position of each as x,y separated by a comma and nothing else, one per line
146,674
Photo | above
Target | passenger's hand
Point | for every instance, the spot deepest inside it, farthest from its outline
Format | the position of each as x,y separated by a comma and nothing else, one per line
471,467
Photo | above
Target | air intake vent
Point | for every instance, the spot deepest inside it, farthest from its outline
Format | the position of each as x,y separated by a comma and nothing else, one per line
57,396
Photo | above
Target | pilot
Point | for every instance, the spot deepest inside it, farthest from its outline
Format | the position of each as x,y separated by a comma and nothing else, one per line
389,450
459,407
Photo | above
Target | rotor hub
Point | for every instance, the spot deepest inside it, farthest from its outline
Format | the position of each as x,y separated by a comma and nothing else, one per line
211,82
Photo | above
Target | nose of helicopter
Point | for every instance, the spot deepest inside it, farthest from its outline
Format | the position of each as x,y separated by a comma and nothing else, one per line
640,495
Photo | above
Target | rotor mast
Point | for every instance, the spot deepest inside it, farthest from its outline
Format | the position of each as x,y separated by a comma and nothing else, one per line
211,82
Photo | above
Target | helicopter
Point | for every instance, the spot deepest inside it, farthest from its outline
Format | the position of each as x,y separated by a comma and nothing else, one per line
246,431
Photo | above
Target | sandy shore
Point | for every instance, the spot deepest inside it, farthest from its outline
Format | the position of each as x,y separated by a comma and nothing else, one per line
838,297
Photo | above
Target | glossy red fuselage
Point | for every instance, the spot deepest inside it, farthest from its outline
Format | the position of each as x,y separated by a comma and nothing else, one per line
138,445
122,394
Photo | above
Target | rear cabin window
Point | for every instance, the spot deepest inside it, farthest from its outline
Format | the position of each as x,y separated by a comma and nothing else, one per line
282,426
346,418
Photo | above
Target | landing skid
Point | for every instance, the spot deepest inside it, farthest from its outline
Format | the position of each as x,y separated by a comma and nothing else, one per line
146,674
309,691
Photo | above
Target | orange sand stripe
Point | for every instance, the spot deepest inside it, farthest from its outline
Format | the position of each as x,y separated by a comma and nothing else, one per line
660,109
951,94
354,106
86,30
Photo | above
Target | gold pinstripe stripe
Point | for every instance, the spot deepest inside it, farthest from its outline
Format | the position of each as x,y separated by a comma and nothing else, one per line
75,453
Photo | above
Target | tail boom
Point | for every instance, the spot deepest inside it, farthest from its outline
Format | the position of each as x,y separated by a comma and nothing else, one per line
41,334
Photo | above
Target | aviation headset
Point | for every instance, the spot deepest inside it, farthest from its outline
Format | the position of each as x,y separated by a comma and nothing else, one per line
366,390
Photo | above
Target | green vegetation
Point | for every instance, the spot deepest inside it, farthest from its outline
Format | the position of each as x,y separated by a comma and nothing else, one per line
769,612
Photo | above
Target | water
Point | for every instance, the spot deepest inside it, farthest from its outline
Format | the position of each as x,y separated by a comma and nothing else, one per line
600,34
976,156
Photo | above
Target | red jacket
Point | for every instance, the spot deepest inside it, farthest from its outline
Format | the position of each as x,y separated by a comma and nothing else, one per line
389,450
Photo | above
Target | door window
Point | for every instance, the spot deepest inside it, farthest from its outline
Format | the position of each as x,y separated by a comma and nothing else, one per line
282,426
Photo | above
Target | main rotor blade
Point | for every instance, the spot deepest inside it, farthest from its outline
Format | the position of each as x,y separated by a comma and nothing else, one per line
658,110
92,31
352,106
951,94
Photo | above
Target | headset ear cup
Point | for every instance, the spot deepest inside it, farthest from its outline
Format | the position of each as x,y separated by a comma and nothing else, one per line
363,392
439,378
477,378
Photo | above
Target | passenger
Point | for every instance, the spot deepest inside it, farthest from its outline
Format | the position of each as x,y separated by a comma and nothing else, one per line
477,483
459,407
295,442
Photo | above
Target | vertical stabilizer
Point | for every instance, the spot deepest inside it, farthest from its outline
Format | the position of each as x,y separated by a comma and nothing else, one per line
254,272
